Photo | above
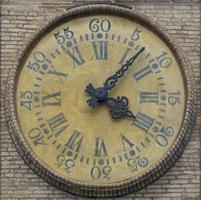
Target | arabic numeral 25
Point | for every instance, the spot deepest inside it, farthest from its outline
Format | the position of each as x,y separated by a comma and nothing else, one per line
96,25
99,172
163,135
66,34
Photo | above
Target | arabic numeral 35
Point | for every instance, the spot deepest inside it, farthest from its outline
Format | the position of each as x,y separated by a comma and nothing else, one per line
163,135
98,172
62,37
68,164
96,25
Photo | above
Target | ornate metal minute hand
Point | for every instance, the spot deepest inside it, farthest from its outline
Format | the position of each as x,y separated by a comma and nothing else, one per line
112,80
100,95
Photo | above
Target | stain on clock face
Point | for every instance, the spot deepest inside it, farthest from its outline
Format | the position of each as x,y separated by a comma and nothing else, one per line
86,144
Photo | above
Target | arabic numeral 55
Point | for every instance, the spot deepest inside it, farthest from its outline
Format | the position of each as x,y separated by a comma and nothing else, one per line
163,135
99,172
66,34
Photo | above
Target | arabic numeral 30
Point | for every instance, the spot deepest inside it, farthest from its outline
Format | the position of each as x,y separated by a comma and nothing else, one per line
98,172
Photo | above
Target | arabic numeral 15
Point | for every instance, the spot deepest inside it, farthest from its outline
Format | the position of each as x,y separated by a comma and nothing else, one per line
66,34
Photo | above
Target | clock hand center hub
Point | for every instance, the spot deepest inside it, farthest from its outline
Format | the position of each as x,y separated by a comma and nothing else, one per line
101,94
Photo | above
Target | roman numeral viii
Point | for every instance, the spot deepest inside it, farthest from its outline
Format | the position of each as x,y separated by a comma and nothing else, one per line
58,123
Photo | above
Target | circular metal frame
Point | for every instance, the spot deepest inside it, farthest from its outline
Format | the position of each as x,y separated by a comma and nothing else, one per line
124,187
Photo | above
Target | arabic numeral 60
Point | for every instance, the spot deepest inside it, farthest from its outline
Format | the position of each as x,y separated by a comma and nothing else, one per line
96,25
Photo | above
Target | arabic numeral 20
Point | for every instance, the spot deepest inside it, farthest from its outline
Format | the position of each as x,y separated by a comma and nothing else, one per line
66,34
163,136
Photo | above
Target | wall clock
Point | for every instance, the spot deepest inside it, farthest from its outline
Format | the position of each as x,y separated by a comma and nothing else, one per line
100,103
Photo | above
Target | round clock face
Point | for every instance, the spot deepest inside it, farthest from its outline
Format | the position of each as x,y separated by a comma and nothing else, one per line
78,140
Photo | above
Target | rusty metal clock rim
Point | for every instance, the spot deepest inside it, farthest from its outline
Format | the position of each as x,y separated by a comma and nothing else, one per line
127,186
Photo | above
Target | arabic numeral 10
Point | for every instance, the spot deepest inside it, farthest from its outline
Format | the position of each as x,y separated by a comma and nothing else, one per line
66,34
163,135
164,60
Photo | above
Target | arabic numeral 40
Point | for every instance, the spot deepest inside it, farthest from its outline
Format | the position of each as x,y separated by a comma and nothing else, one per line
163,135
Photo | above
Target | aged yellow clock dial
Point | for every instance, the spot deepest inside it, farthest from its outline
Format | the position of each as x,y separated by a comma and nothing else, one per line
85,145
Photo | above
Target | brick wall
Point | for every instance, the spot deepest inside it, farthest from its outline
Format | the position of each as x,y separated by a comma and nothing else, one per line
21,18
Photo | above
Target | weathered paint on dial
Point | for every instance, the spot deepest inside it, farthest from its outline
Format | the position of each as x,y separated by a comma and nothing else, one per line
86,144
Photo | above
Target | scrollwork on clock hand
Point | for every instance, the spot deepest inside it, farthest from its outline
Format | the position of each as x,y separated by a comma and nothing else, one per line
99,95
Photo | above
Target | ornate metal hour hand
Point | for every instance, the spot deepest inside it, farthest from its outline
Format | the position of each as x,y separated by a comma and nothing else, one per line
118,107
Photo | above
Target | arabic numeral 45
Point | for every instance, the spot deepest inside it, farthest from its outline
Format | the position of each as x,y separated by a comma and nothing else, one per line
26,100
163,136
66,34
99,172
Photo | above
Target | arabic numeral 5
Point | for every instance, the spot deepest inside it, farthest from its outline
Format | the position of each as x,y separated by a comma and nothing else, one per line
96,25
163,135
66,35
135,34
98,172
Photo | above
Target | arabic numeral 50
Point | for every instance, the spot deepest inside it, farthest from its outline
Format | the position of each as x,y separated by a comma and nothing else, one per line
62,37
39,57
96,25
98,172
163,135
